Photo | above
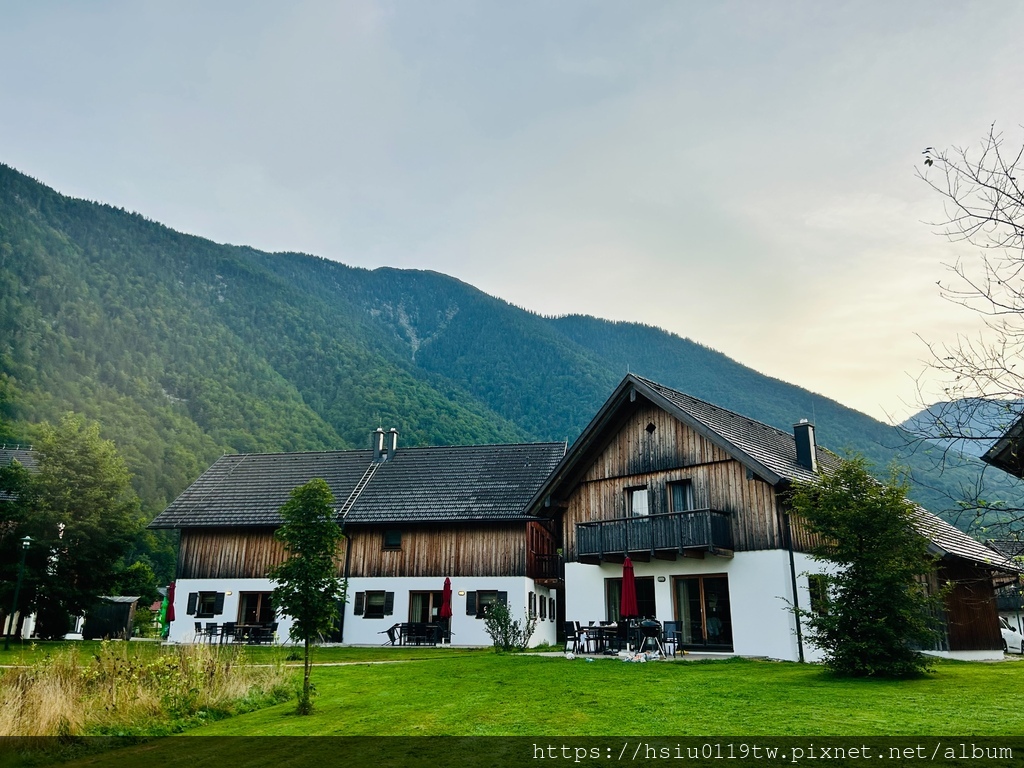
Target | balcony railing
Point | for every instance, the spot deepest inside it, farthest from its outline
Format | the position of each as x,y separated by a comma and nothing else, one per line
700,529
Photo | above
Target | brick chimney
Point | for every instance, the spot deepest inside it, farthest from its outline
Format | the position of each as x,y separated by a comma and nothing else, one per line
806,448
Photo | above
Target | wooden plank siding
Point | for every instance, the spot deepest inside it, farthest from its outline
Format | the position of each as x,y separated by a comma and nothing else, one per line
239,553
669,453
465,549
971,617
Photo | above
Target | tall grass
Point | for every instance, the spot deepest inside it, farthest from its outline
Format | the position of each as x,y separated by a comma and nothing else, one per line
116,691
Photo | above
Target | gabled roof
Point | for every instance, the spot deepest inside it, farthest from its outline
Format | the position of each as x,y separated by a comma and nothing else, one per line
766,451
436,484
1007,453
24,456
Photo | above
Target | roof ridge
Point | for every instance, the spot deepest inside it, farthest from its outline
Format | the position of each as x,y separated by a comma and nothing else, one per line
738,415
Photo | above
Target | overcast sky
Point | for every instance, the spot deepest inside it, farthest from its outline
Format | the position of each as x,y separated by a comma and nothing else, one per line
739,173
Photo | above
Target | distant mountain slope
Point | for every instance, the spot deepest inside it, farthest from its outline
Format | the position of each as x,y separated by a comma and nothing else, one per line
184,349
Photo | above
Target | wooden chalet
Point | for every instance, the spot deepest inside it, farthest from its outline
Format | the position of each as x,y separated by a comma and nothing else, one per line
695,495
412,517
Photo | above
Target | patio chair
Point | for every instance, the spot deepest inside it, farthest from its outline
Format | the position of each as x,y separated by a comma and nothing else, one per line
672,631
212,631
587,641
572,638
200,632
227,629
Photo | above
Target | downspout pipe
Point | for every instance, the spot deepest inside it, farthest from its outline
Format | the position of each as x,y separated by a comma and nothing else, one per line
788,533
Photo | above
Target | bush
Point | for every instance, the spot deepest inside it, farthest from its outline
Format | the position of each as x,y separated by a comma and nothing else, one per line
508,634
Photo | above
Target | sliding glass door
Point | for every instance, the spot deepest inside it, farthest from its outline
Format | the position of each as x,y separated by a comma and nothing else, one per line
702,609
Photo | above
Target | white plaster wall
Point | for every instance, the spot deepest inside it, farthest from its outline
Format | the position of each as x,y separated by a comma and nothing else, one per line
760,593
466,630
183,627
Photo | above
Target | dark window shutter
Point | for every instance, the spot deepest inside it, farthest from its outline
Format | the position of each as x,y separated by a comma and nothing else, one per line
471,603
503,597
389,603
360,602
551,608
193,599
218,604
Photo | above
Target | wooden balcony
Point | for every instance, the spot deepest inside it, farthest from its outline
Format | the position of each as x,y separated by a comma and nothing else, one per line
664,537
546,570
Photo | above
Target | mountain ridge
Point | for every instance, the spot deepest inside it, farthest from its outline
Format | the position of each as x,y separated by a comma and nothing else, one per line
184,349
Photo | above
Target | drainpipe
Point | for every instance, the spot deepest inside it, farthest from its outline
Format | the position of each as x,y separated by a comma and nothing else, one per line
348,560
792,581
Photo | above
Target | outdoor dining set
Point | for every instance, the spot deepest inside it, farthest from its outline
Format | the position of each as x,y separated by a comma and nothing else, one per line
233,632
624,635
415,633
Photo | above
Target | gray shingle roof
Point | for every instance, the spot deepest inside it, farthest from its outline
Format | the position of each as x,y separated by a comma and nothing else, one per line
24,456
763,446
454,483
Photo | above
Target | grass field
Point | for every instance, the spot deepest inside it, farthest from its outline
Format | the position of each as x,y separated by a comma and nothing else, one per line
483,694
475,692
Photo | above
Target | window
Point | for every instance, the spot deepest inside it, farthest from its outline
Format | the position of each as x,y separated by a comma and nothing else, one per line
645,603
680,496
702,609
817,586
637,502
205,605
392,539
374,605
478,603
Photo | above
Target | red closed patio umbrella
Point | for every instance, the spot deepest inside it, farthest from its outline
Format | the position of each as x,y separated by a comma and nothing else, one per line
627,604
170,602
446,606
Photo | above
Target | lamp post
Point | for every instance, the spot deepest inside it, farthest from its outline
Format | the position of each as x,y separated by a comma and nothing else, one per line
25,542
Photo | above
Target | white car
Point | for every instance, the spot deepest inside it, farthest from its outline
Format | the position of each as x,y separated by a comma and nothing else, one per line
1012,640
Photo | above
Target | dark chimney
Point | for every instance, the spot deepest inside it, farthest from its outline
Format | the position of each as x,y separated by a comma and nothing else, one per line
806,449
377,444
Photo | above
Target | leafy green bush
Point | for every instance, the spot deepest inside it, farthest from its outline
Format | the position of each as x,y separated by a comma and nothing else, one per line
506,633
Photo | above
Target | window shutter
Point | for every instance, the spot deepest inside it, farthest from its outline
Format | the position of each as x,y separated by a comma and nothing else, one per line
551,608
193,599
389,603
471,603
503,598
360,602
218,604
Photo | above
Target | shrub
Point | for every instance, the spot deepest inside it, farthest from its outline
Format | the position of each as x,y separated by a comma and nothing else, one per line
506,633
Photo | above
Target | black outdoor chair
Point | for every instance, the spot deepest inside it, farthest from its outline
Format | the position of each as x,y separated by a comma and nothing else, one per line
572,638
227,630
211,631
672,632
200,632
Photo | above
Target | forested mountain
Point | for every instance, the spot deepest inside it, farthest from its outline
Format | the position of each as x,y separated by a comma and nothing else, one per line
184,349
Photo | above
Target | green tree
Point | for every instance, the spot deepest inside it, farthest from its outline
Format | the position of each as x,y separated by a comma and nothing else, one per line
82,514
878,613
307,586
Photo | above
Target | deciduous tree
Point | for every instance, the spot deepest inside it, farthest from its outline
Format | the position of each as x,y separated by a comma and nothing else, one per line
307,586
82,514
878,613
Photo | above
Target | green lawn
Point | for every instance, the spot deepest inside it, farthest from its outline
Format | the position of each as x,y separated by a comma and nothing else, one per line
482,694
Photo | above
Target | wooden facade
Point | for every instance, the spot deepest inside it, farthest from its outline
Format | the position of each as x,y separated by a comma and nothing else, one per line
459,549
972,621
653,449
463,549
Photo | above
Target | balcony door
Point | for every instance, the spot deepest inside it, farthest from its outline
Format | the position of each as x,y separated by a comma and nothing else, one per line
702,609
